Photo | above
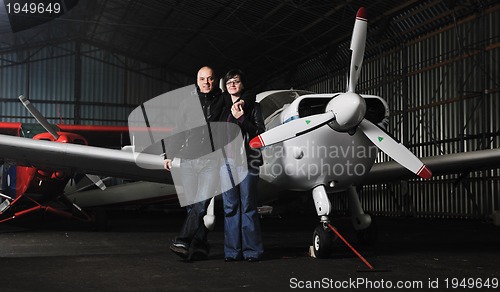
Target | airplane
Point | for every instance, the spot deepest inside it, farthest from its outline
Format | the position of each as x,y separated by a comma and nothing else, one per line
18,181
28,189
319,143
328,142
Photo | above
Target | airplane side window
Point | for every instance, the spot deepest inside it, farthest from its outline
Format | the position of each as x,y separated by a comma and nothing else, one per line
272,103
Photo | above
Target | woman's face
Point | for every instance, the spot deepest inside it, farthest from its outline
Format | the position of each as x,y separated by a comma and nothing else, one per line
234,85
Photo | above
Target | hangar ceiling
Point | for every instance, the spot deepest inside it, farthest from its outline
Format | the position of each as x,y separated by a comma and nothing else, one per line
264,38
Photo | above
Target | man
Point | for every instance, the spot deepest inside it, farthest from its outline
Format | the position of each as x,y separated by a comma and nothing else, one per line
200,176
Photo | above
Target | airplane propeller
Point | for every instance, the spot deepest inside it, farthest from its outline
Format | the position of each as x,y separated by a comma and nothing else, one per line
48,127
395,150
345,113
299,126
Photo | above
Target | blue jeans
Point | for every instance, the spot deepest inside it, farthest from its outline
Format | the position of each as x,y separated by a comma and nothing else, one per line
242,233
199,181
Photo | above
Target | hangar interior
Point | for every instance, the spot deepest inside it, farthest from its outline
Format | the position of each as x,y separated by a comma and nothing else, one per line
436,63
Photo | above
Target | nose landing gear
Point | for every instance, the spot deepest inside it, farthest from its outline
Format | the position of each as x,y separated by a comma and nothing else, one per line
323,239
325,234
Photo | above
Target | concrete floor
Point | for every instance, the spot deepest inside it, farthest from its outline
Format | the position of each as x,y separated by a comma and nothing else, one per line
43,253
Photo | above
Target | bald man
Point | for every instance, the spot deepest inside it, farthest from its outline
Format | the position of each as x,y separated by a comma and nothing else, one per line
199,175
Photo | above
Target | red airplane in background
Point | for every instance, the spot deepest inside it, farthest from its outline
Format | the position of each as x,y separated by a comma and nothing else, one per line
28,189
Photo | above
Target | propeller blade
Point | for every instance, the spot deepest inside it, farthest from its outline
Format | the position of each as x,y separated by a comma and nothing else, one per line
291,129
358,42
395,150
38,116
97,181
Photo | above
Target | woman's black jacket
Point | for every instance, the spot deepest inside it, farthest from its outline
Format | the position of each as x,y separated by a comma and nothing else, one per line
251,124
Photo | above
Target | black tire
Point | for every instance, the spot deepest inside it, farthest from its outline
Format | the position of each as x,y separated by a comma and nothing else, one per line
322,242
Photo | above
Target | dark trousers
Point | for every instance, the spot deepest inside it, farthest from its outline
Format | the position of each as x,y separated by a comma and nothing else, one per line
193,232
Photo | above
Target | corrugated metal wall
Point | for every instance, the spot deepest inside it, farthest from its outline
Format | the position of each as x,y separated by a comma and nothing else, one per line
443,90
77,83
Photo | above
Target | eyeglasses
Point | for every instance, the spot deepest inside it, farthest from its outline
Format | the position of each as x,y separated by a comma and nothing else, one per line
234,82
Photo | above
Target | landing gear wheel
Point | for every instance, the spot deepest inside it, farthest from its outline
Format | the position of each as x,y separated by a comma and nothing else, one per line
322,242
368,236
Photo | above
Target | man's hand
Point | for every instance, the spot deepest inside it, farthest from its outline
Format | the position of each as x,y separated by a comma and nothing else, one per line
167,164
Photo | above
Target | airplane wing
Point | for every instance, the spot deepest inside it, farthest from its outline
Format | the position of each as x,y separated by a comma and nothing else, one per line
83,159
440,165
118,163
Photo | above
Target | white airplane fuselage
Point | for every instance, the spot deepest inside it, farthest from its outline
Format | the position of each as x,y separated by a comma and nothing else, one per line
324,156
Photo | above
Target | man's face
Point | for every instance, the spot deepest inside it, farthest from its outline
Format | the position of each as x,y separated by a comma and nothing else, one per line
205,80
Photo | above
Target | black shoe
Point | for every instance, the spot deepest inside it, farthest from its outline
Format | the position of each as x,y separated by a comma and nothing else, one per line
252,260
229,259
180,249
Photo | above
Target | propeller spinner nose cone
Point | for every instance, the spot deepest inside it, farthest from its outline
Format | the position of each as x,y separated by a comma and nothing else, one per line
349,109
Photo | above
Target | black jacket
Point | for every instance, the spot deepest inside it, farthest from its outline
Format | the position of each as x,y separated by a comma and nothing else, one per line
251,124
211,104
198,140
195,142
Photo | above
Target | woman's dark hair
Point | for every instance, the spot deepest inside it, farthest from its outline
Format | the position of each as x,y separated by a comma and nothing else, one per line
232,73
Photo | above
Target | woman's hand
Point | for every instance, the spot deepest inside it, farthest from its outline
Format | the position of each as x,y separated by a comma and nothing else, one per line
238,105
237,111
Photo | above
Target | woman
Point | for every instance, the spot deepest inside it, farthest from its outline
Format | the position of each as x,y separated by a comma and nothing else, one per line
242,234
